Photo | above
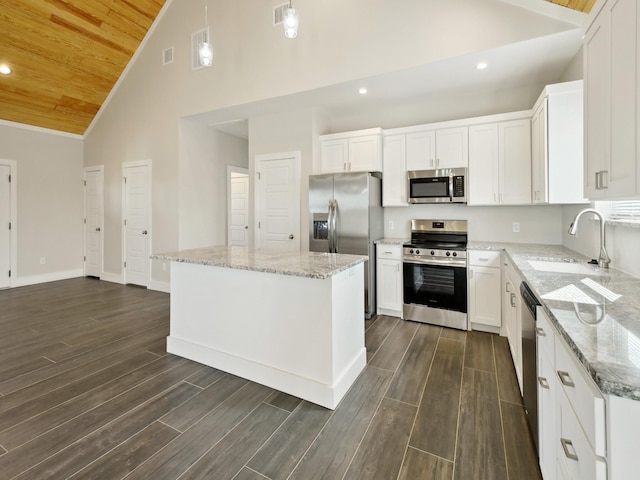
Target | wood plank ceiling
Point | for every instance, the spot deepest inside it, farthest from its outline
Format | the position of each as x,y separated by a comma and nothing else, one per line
66,55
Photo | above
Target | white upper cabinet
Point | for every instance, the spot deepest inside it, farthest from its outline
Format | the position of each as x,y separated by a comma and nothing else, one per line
438,148
500,163
359,151
557,159
612,106
394,183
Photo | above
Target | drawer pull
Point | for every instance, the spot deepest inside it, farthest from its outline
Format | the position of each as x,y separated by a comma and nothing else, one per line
513,300
540,332
483,259
388,253
566,444
566,379
544,383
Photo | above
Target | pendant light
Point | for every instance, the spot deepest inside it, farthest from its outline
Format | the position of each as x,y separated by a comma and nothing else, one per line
290,22
205,50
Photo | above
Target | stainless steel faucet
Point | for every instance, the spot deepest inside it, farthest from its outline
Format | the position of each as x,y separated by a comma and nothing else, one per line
603,259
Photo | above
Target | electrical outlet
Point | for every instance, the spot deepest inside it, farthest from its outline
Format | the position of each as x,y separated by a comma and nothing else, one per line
516,227
391,225
43,260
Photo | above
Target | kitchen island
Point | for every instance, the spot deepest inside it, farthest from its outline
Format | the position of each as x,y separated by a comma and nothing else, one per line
293,321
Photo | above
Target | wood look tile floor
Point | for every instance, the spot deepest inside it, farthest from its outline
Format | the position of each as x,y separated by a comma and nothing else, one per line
87,391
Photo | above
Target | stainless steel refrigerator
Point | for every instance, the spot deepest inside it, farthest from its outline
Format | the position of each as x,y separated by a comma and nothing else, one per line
345,212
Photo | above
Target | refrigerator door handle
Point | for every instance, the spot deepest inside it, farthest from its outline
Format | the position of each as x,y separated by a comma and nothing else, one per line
334,227
330,236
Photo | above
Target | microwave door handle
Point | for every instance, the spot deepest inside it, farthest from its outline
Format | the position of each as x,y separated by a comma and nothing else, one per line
451,187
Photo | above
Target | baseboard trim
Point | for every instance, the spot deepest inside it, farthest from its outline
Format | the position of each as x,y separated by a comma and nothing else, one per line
159,286
112,277
46,277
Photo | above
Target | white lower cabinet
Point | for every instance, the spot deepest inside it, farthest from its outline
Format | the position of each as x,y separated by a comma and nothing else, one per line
571,421
512,315
484,289
389,279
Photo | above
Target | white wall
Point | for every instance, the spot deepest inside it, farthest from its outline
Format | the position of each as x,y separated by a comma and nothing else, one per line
205,155
50,202
538,224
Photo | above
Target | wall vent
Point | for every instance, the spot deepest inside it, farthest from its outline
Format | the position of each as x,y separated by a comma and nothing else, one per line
167,56
278,13
196,39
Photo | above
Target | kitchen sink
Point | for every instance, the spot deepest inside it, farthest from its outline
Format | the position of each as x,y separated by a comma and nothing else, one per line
565,267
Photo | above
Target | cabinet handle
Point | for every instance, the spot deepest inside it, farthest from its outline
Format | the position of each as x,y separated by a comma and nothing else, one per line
345,167
349,166
483,259
604,179
431,163
398,267
388,253
540,332
437,162
507,287
513,300
566,444
566,379
544,383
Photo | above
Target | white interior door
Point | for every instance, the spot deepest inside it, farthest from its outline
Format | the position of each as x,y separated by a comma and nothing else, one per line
5,226
93,220
278,201
137,224
238,207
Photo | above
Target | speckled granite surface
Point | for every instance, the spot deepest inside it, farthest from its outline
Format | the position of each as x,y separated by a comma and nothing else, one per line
299,264
609,348
391,241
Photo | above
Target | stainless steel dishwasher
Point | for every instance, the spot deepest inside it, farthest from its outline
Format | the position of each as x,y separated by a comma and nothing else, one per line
529,359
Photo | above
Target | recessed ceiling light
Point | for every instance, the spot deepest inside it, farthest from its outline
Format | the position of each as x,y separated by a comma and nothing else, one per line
481,65
5,69
362,91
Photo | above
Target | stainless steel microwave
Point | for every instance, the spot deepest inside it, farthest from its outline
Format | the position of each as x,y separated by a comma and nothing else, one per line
443,185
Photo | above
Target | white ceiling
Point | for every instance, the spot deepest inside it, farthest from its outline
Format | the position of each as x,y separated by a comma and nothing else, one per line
536,62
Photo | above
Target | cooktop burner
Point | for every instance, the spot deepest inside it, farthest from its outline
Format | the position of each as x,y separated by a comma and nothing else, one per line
437,238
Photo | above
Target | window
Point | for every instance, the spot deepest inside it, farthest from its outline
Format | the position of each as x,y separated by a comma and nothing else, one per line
628,211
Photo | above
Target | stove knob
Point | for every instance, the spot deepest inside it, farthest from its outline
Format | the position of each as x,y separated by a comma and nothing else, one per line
455,254
432,252
411,251
417,252
448,254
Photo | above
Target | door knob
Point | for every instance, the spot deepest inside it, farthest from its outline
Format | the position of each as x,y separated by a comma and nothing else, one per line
291,237
97,229
144,232
246,227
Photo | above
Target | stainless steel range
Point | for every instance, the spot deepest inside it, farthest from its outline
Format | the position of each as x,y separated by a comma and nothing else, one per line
435,273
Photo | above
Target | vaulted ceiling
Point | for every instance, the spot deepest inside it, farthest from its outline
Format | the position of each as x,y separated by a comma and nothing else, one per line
66,56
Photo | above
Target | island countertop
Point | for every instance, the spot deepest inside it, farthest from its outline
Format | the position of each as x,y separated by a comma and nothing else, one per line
300,264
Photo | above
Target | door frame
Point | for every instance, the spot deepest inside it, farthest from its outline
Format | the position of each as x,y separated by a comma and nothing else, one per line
99,168
230,170
125,165
296,155
13,254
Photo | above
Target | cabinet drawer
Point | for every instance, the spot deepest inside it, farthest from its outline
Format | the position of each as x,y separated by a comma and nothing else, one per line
545,333
391,252
574,449
484,258
583,396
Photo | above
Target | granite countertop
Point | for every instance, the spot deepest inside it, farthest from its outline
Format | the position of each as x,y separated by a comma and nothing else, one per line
609,347
391,241
300,264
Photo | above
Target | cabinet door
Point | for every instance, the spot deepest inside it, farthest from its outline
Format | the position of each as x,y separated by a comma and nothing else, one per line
548,436
394,185
484,296
623,58
333,155
421,150
483,164
539,154
452,147
389,286
365,154
515,162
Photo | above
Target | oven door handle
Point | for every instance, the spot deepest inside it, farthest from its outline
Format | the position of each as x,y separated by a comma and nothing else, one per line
445,262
